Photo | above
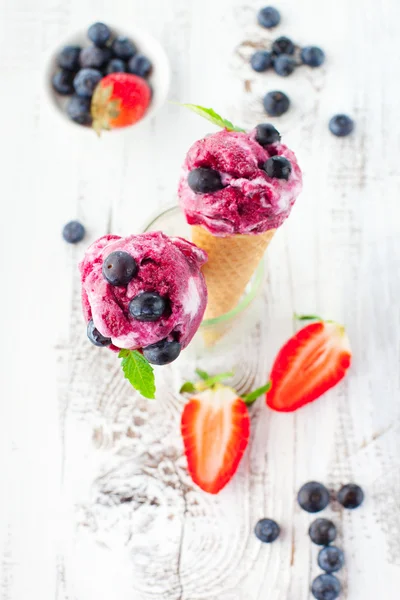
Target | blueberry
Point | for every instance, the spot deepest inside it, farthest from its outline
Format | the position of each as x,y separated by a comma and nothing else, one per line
326,587
94,57
73,232
140,65
278,167
312,56
123,48
95,336
62,82
267,530
78,110
119,268
99,34
350,496
283,45
261,61
148,306
85,82
330,559
204,181
266,134
276,103
69,58
163,352
341,125
268,17
284,65
322,532
116,65
313,497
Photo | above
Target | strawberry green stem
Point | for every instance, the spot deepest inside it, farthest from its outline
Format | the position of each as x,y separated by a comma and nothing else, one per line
252,396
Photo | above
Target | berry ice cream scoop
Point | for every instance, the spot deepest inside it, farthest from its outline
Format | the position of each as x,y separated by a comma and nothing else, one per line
143,292
239,183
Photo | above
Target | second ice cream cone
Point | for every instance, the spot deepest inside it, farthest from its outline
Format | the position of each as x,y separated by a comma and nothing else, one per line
231,263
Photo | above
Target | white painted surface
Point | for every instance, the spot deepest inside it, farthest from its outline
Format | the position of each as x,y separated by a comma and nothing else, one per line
95,499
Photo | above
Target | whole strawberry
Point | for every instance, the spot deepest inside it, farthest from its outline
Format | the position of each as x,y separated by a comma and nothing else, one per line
119,100
215,427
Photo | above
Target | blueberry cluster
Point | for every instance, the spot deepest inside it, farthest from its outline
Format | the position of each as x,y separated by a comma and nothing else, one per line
284,57
119,268
314,497
204,180
81,69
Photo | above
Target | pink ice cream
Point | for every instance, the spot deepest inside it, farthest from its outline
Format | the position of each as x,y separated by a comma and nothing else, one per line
168,266
250,201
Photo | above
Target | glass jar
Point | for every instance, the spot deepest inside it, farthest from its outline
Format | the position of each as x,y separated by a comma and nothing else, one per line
220,335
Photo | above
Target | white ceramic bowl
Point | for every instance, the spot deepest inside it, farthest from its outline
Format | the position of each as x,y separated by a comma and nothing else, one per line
159,78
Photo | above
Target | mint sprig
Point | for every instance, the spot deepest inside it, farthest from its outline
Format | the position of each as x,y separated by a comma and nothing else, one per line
138,372
187,387
252,396
211,115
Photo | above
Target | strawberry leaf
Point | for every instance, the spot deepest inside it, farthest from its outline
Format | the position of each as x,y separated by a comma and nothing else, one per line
138,372
187,387
202,374
306,317
211,115
211,381
252,397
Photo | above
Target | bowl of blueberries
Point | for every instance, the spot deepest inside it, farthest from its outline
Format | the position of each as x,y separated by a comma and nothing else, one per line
104,78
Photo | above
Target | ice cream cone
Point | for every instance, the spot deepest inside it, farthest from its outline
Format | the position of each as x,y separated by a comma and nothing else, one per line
231,263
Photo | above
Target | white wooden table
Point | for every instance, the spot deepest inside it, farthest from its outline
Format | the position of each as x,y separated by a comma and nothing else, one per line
95,499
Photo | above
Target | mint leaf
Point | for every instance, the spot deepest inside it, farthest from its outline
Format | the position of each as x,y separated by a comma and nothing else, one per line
306,317
138,372
187,387
211,115
252,397
202,374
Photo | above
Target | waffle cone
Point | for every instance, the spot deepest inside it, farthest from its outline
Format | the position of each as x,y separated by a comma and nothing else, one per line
231,263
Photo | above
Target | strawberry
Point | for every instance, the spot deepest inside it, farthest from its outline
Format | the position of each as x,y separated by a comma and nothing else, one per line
215,427
315,359
119,100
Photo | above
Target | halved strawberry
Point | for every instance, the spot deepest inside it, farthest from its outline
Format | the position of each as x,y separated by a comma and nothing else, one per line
309,364
119,100
215,427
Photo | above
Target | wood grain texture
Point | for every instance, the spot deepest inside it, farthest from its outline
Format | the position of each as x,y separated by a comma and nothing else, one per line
96,501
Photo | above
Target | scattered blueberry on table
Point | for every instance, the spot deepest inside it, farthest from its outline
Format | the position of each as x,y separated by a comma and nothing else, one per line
267,530
350,496
268,17
284,65
331,559
326,587
313,497
341,125
282,45
276,103
261,60
322,532
81,69
312,56
73,232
